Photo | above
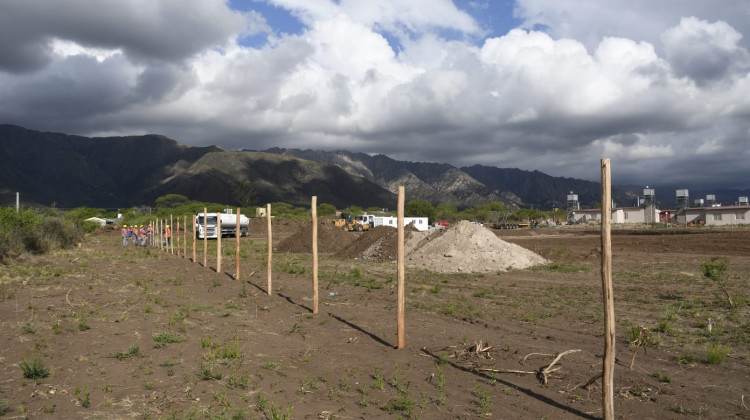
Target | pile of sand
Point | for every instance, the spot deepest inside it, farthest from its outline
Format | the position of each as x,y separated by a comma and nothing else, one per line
466,247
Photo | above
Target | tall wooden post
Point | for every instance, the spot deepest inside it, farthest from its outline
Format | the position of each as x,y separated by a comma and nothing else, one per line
205,237
608,366
162,245
178,237
159,235
237,234
315,252
270,246
195,222
400,270
171,234
184,236
218,242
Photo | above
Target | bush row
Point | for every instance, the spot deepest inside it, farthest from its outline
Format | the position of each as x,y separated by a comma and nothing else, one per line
36,232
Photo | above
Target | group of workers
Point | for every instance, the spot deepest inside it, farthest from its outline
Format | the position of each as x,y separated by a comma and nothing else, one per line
143,235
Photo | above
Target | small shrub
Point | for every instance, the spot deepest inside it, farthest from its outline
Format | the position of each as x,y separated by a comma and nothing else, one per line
661,377
28,328
132,351
34,368
716,354
83,397
686,358
715,270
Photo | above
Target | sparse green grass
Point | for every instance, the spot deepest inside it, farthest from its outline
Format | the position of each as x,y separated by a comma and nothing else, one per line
163,338
229,349
132,351
661,377
558,267
686,358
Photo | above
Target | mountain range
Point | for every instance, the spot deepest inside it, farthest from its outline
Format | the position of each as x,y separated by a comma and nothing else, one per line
123,172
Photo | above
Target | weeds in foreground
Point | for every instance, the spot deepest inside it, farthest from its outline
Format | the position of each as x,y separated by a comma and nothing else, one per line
132,351
83,397
483,400
716,354
227,350
561,267
686,358
715,270
206,372
378,380
163,338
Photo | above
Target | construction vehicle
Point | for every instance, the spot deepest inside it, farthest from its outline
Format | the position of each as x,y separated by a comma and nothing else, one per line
504,223
353,224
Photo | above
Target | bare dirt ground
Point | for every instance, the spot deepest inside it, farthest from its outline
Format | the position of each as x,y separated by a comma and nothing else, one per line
140,333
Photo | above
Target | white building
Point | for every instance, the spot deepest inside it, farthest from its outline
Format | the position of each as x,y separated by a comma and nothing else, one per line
715,216
620,215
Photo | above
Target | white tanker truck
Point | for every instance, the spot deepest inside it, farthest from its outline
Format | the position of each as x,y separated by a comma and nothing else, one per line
228,224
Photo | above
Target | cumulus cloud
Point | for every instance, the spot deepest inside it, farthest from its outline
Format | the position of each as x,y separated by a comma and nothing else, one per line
656,88
705,51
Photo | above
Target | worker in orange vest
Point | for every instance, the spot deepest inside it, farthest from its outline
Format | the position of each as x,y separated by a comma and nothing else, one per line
124,235
136,236
168,235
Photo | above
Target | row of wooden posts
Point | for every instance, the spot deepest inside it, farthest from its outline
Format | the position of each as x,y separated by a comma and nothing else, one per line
181,241
606,271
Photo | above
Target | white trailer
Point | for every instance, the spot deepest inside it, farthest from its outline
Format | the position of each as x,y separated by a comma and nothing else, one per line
228,224
420,223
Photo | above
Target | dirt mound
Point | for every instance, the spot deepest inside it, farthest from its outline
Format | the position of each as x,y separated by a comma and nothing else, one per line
330,238
281,227
466,247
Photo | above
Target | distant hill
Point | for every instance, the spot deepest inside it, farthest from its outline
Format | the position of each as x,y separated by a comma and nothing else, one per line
121,172
467,186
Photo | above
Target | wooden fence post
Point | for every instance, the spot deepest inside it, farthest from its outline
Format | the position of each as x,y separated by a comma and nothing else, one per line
608,365
178,237
400,270
270,246
237,234
315,252
184,236
171,234
205,237
218,242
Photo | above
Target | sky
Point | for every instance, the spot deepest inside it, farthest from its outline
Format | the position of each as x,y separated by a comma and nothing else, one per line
662,88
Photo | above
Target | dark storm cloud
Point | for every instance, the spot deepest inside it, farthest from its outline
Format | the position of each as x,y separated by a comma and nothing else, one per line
143,29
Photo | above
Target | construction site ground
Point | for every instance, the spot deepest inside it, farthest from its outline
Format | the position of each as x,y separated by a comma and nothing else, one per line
125,332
